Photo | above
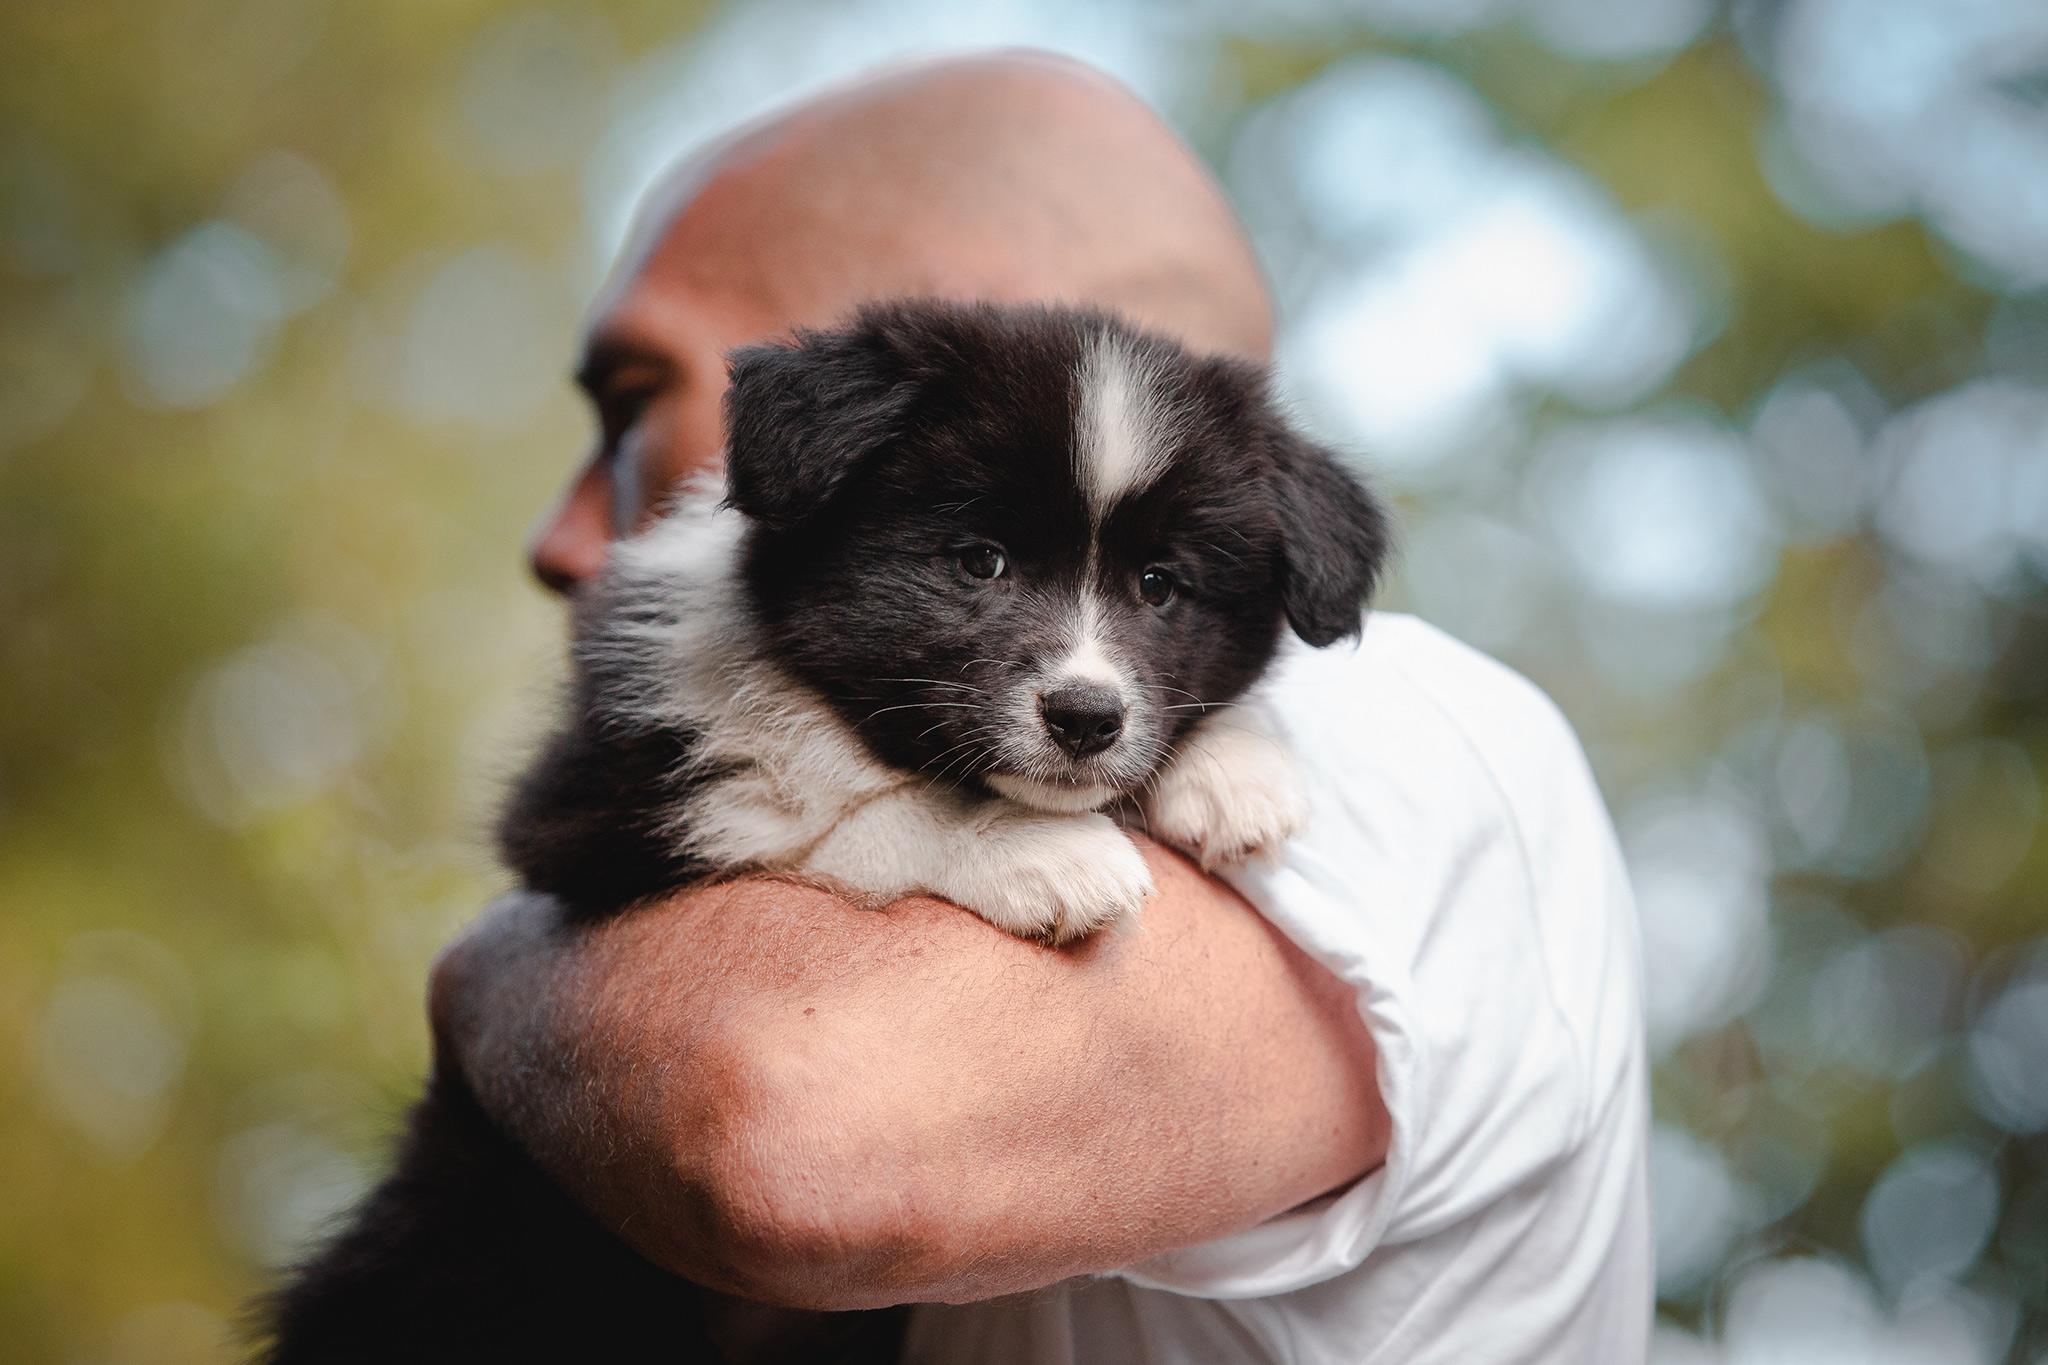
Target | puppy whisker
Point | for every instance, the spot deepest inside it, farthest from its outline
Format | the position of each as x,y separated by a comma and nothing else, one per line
937,682
923,705
968,758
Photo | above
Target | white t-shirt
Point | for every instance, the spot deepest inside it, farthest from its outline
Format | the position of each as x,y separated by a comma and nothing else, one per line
1460,870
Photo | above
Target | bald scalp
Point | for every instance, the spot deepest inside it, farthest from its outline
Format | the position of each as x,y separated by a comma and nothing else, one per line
1007,177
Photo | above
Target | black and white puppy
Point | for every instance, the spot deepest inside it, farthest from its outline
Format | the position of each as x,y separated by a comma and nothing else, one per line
975,576
976,579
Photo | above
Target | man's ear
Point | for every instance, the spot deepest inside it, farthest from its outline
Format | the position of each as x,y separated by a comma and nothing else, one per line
1337,537
799,417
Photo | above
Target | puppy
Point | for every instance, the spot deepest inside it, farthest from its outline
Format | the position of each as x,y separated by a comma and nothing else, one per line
979,584
975,577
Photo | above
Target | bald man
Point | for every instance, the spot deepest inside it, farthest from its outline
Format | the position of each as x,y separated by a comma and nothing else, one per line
1384,1098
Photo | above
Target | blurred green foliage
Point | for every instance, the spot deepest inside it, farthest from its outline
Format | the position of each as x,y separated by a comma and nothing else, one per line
138,546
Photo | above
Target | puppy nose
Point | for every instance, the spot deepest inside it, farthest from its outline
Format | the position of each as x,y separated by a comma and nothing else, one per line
1082,719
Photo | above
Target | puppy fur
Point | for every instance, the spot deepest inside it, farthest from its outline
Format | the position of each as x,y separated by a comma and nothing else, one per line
978,584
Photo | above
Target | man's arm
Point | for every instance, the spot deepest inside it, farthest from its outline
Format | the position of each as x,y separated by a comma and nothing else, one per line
779,1095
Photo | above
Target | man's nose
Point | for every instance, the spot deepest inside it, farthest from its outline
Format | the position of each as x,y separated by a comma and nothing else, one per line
568,544
1081,718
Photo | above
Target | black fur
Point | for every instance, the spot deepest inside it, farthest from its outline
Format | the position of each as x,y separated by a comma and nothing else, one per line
1337,539
583,825
469,1253
867,460
798,420
586,823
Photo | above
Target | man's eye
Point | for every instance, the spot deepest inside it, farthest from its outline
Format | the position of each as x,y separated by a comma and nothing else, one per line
1156,586
983,561
618,412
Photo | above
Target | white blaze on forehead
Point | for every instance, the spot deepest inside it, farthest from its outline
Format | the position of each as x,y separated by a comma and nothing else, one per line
1121,438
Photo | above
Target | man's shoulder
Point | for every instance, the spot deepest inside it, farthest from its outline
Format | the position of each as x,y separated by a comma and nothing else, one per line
1448,781
1409,699
1475,690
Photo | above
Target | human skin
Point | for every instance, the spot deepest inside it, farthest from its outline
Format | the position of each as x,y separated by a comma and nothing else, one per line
788,1097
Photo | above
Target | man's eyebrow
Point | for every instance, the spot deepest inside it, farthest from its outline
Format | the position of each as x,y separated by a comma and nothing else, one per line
604,357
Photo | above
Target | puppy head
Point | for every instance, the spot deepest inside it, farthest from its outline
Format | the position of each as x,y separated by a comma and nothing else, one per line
1028,547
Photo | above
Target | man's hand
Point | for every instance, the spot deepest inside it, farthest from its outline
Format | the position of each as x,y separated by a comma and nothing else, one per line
779,1095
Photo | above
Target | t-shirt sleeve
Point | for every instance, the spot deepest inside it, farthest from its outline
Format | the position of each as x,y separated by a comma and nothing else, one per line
1459,870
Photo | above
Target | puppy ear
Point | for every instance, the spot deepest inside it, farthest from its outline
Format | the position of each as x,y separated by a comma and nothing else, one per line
800,416
1337,537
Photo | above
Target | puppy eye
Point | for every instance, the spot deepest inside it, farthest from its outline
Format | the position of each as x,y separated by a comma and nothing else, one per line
1156,586
983,561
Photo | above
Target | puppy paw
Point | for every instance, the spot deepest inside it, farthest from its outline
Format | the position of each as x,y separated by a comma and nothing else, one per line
1054,878
1231,793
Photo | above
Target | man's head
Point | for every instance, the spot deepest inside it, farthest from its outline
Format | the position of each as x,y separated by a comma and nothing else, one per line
1009,177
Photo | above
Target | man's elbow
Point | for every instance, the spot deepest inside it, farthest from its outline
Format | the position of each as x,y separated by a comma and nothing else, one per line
804,1204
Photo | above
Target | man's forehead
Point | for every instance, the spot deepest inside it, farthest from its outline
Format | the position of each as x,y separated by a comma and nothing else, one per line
708,283
632,324
693,283
720,259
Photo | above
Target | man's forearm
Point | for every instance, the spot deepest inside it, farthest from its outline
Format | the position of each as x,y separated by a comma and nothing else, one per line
781,1095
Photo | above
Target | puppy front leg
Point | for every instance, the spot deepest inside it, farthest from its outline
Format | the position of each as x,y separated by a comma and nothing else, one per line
1053,877
1231,792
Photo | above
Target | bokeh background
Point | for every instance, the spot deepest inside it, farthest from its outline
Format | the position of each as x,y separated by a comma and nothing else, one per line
1705,346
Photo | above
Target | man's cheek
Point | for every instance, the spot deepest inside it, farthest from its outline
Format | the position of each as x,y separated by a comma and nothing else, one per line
692,443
